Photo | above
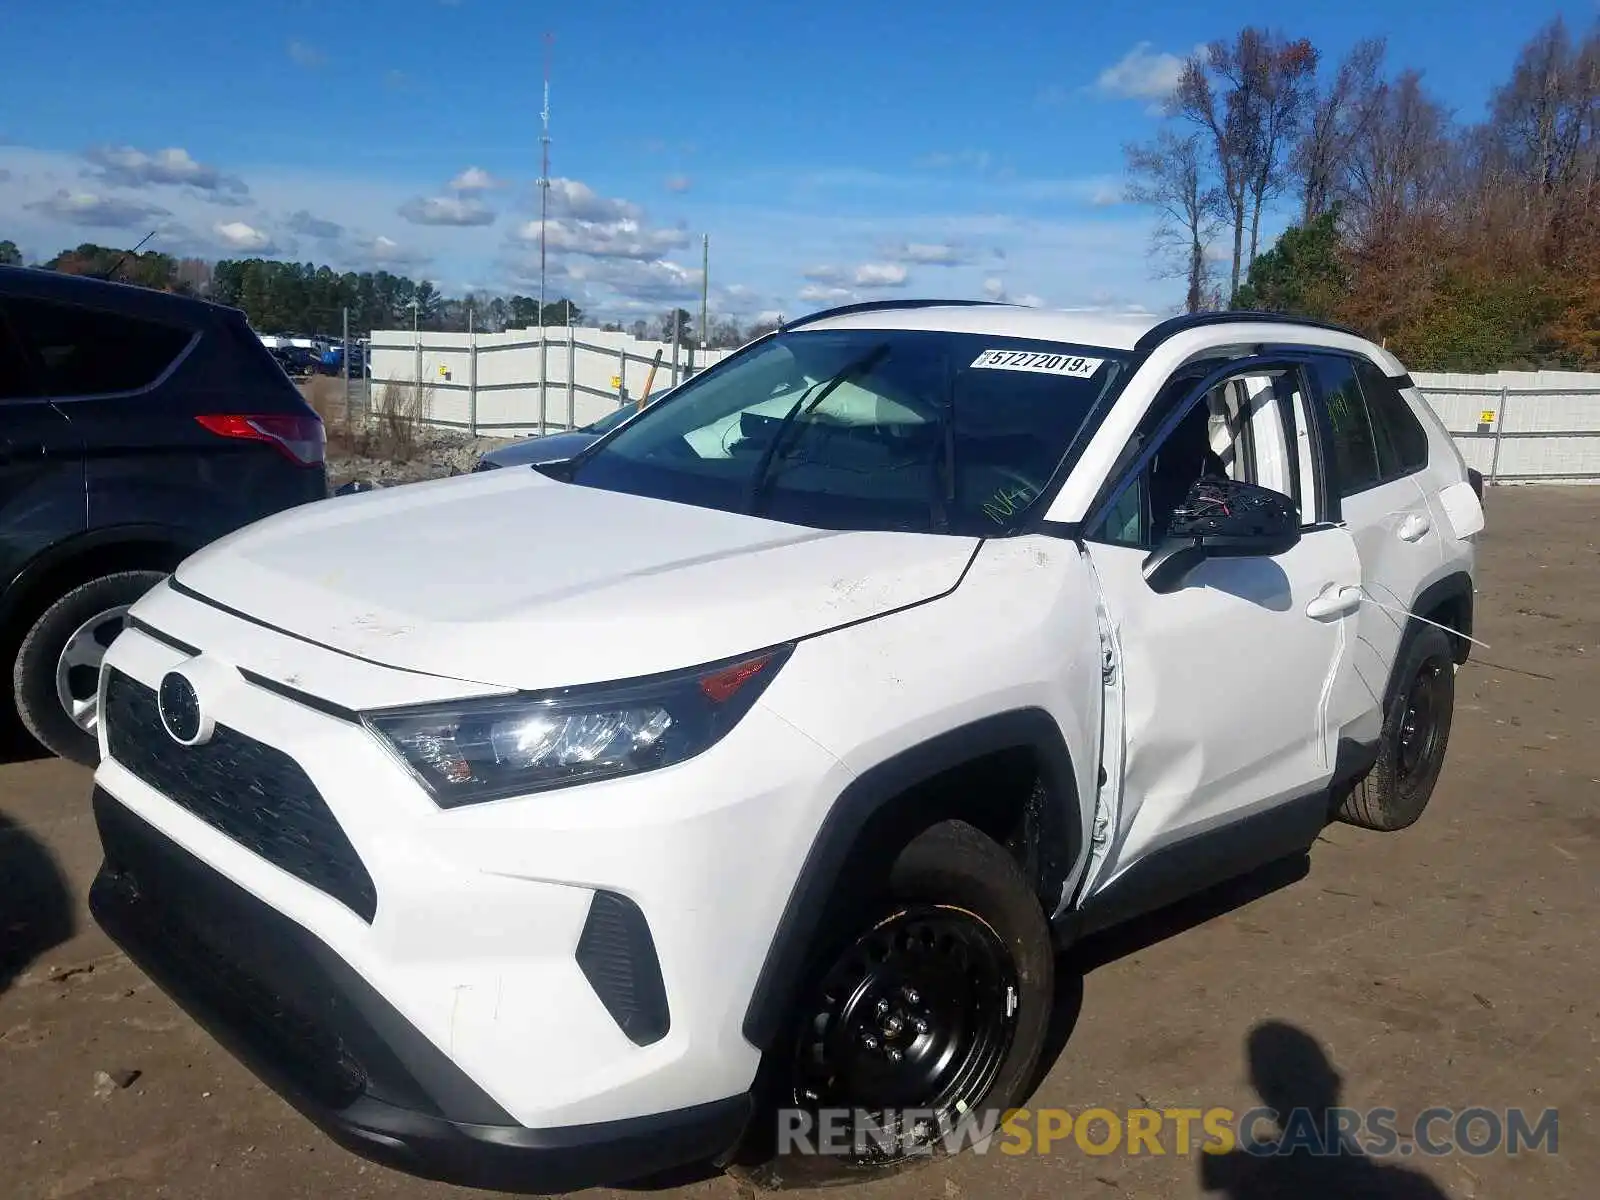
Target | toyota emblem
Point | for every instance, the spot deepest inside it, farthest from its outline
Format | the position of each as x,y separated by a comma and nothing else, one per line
179,705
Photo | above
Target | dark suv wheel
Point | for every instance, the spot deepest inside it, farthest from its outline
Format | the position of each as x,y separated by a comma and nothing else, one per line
57,670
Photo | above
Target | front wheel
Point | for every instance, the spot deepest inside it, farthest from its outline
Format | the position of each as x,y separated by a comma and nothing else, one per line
1416,731
923,1021
57,670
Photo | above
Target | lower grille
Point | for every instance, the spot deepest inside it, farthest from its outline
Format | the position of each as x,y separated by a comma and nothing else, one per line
256,795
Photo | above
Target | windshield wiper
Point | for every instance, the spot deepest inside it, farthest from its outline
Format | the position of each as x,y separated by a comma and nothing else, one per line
823,388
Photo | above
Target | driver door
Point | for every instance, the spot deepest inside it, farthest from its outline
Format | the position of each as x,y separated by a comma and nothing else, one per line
1225,693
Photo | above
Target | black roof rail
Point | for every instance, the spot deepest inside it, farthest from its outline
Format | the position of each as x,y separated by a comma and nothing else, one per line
880,305
1173,326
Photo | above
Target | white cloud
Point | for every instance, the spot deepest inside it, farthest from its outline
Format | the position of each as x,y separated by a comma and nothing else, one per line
583,222
384,251
880,275
822,274
127,166
474,179
306,55
618,239
303,223
1141,75
97,211
573,198
994,288
931,254
236,235
978,160
817,294
445,210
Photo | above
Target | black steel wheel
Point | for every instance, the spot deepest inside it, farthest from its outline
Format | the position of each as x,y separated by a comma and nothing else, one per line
918,1013
927,1011
1416,734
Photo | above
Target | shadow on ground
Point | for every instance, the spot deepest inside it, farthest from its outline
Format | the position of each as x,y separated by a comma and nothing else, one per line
16,744
36,908
1314,1156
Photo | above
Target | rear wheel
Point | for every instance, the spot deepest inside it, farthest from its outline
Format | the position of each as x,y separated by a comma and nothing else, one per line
56,674
929,1008
1416,732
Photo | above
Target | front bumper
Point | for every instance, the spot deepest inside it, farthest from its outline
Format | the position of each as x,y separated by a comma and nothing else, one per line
573,956
317,1033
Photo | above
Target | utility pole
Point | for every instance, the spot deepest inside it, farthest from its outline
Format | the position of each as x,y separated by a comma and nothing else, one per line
544,176
705,291
544,217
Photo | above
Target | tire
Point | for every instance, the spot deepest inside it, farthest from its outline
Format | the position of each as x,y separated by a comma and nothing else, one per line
79,626
1416,732
953,944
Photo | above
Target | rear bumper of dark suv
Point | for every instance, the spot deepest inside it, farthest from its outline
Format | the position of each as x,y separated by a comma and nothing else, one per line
313,1030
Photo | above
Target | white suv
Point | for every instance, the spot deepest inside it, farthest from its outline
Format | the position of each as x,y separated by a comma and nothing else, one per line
559,825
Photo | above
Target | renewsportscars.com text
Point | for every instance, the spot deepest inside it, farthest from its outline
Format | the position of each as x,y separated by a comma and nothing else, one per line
1376,1132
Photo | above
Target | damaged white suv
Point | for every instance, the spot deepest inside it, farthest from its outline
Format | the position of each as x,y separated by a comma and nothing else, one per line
559,825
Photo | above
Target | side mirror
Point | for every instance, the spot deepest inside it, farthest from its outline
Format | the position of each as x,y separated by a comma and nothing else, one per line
1222,518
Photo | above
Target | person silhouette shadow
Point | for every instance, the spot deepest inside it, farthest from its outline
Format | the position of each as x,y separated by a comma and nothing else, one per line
1315,1157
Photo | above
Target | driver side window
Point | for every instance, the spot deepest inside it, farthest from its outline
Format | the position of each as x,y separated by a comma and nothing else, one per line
1237,430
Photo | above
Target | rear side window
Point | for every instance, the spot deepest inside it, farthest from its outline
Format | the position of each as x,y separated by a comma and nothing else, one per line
93,352
16,376
1355,448
1401,439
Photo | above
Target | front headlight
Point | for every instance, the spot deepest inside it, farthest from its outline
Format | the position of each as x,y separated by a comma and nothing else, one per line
479,750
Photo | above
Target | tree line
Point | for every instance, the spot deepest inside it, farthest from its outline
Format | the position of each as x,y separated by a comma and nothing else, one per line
311,300
1462,245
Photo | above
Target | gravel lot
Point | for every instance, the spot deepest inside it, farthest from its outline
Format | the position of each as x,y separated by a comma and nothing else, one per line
1455,964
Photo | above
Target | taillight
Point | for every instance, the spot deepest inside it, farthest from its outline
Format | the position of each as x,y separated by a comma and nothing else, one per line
302,440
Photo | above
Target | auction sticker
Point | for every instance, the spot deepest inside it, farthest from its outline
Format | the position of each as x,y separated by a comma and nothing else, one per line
1069,365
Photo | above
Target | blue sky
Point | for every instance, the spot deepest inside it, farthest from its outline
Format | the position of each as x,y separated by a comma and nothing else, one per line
831,151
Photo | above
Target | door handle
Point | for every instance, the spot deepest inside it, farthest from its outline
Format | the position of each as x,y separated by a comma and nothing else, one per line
1335,602
1414,526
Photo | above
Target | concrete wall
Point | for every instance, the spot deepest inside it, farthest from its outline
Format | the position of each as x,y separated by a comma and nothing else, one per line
490,382
1522,426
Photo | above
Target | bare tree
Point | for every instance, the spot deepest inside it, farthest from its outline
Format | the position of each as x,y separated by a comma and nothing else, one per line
1287,72
1336,122
1169,174
1401,164
1224,93
1547,113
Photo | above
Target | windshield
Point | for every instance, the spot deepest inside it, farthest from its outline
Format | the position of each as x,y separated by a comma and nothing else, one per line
612,419
913,430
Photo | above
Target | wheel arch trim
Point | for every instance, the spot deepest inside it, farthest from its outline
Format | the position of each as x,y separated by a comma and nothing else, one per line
870,794
80,546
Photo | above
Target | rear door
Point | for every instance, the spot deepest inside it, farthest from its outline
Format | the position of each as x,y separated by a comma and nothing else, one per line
41,465
1379,454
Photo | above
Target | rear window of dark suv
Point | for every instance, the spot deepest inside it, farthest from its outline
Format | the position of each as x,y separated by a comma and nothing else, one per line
85,351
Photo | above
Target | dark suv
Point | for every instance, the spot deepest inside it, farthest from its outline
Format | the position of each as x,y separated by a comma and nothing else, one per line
135,427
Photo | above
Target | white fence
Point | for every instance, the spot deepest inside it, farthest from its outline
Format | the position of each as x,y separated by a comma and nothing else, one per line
1514,426
1522,426
510,384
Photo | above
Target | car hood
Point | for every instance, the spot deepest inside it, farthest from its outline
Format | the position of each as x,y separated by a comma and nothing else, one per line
511,579
548,448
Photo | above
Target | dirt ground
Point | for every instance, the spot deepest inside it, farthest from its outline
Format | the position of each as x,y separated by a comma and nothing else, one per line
1456,964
